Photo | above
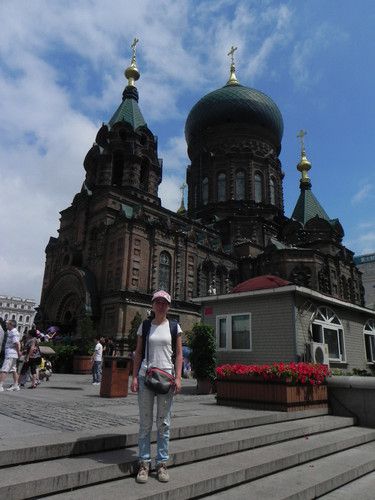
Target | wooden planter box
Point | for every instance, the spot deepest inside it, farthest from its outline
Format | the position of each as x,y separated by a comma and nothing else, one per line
82,365
250,393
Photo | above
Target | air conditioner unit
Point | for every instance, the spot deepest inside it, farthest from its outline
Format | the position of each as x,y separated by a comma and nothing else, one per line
319,353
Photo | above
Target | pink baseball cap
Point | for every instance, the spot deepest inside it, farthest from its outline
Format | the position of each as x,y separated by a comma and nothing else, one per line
162,295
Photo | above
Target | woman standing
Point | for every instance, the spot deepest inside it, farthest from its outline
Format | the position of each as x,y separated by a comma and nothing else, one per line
157,352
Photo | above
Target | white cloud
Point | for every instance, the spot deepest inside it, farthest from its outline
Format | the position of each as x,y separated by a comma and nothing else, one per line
305,61
362,194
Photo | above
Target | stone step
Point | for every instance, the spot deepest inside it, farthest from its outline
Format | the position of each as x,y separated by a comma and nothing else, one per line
200,479
77,472
47,447
362,489
313,479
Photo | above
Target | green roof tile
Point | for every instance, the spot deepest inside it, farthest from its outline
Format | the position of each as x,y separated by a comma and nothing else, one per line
307,207
128,111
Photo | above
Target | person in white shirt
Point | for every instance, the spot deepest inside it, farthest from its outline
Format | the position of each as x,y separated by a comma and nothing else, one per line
12,353
97,362
158,352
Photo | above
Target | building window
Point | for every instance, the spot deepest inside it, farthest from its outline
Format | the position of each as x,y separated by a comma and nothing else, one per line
165,271
221,187
27,319
13,316
369,333
272,191
205,191
258,188
233,332
6,316
240,185
20,318
327,329
117,168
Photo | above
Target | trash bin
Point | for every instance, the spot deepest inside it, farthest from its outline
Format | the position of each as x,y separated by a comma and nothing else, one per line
115,377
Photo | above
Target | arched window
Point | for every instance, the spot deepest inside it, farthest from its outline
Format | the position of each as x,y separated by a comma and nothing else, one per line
327,329
117,168
165,271
6,316
27,319
369,334
272,191
205,191
240,185
258,188
221,187
20,318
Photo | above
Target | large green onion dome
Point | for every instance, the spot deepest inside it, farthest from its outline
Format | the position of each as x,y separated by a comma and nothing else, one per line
235,103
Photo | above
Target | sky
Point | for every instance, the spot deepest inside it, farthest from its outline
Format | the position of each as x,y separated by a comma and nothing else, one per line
61,76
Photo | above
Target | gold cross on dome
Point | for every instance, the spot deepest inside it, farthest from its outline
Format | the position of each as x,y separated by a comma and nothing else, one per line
301,134
231,53
133,47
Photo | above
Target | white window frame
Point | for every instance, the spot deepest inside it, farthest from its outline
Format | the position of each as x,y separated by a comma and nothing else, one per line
228,335
369,330
327,323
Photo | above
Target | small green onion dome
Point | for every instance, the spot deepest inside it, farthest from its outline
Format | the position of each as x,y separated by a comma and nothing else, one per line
235,103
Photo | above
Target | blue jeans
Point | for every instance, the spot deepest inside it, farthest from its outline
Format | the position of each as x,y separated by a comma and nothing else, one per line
96,371
163,421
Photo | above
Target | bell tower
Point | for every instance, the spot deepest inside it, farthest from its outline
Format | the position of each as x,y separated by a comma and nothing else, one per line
124,155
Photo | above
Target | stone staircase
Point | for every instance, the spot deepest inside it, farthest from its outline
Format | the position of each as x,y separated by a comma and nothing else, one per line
267,456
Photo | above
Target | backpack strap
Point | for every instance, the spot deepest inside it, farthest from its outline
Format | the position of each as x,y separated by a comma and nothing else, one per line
146,327
173,329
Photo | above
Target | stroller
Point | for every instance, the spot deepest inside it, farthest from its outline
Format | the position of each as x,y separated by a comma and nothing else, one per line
45,369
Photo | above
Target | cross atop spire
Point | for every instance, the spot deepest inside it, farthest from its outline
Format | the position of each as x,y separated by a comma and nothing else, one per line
133,47
231,53
132,73
301,134
232,78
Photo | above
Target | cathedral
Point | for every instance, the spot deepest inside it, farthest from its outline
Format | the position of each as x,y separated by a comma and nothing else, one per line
116,244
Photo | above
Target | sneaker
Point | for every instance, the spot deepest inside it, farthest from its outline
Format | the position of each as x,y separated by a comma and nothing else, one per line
13,388
1,388
143,470
163,475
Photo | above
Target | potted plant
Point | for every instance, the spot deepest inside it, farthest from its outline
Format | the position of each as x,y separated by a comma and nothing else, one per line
202,343
82,362
279,386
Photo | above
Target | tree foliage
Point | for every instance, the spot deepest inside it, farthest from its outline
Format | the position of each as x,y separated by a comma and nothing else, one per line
202,342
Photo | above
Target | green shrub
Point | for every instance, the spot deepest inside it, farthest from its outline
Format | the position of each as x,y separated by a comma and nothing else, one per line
202,342
62,360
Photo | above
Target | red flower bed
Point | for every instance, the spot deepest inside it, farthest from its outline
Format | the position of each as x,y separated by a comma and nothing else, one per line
293,373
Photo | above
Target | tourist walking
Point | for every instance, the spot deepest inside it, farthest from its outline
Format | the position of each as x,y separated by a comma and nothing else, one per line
159,345
97,362
12,353
33,357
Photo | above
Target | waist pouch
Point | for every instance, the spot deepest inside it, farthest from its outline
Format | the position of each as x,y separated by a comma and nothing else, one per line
158,380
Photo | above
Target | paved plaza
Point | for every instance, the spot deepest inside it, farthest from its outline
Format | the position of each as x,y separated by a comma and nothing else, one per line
71,403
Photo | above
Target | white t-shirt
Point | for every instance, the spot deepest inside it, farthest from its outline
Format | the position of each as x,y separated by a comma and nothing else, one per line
160,343
98,353
13,338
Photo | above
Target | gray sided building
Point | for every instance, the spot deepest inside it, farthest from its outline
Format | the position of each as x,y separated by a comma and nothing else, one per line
289,323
